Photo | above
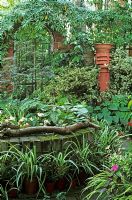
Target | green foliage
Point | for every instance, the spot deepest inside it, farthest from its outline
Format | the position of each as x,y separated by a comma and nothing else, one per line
124,198
3,193
115,111
61,196
62,163
26,164
105,142
78,82
121,72
113,25
33,112
110,184
124,162
97,184
53,14
83,155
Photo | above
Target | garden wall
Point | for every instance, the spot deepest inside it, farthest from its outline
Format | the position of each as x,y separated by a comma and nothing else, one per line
45,143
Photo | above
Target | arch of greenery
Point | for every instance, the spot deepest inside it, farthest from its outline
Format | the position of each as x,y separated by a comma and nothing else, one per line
57,15
49,14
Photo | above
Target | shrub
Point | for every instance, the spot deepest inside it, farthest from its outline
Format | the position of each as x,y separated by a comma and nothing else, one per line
121,72
78,82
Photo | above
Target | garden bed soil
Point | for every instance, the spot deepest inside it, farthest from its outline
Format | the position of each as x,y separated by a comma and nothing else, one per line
72,195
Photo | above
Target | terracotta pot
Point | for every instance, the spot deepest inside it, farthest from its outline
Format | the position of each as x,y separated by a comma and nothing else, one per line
82,176
61,184
12,193
102,59
50,186
30,187
102,56
73,183
103,48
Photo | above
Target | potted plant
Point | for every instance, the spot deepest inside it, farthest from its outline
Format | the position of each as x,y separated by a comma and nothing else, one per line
103,34
7,174
28,169
103,37
3,193
48,166
50,176
83,157
62,164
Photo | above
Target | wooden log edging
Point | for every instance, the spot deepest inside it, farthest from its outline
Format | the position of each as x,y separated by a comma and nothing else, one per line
9,130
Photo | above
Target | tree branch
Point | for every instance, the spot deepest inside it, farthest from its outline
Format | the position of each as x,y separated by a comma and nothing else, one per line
11,131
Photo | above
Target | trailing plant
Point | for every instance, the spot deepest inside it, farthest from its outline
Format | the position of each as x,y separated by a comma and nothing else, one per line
53,14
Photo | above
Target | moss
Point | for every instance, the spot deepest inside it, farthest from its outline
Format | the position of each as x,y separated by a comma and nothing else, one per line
60,137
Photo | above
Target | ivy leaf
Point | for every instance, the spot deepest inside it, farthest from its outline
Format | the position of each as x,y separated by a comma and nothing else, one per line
100,116
123,109
109,119
105,112
114,106
97,108
116,119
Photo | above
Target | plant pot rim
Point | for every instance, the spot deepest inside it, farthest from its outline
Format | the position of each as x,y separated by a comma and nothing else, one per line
103,44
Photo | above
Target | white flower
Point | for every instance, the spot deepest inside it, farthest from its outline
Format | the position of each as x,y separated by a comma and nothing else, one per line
21,120
1,112
12,118
40,114
46,122
31,119
26,125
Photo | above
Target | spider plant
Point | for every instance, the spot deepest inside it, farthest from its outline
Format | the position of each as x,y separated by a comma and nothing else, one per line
96,188
83,155
63,163
6,170
3,193
105,142
26,164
